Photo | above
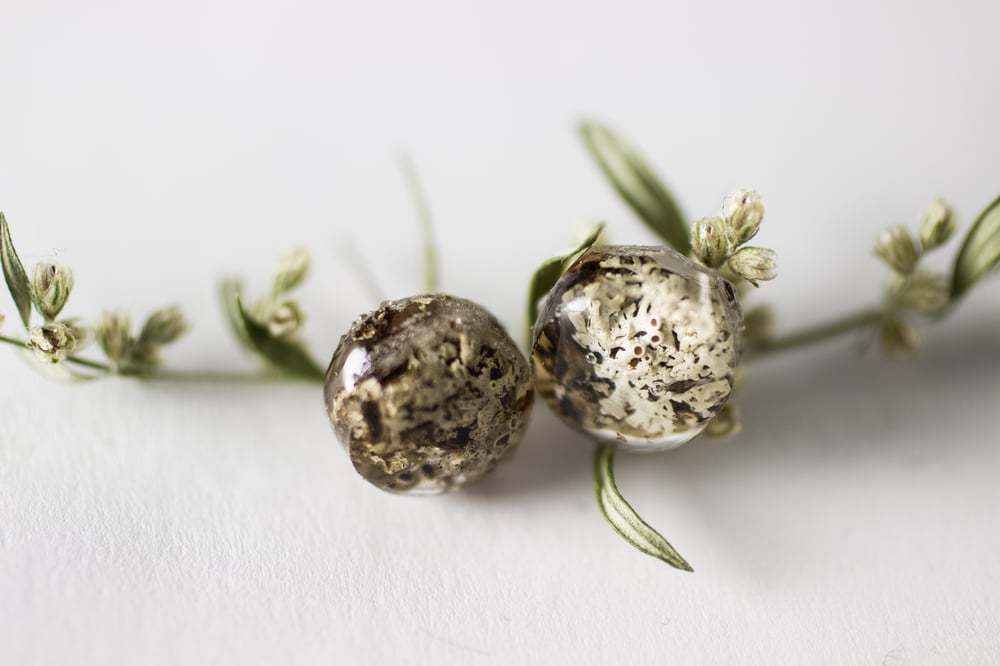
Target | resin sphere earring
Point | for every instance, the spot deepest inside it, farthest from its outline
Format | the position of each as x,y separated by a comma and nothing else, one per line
427,394
637,345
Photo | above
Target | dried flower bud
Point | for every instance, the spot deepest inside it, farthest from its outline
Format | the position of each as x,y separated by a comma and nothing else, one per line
163,327
899,336
898,250
754,264
292,270
744,213
710,241
50,289
114,335
52,342
926,293
937,225
283,318
82,333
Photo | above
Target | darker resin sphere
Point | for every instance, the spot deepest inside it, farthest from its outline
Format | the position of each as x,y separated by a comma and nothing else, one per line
637,345
427,394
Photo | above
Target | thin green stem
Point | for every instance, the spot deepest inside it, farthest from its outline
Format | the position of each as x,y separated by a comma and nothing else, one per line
221,377
426,223
175,376
93,365
818,333
13,341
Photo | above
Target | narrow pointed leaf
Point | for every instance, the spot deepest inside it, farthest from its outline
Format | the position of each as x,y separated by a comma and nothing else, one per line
623,518
229,291
284,355
980,251
13,273
549,272
431,269
638,185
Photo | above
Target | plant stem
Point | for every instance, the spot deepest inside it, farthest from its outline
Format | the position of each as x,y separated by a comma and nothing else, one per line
783,343
13,341
221,377
173,376
817,333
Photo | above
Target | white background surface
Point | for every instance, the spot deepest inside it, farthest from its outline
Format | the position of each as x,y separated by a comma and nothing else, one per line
157,147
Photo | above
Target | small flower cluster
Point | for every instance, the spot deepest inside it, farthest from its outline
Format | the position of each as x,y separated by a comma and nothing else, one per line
280,315
719,242
138,354
913,290
50,289
56,339
271,329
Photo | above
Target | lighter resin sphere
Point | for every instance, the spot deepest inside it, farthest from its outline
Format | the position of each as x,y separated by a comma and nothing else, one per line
427,394
637,345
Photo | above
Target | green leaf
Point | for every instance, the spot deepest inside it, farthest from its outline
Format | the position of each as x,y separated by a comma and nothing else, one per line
623,518
284,355
980,251
13,273
636,182
548,274
229,290
431,269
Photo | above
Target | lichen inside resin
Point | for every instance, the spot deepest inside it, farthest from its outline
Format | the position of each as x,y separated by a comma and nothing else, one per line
637,345
427,393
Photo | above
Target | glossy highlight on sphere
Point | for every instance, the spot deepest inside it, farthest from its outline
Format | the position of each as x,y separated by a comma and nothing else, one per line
637,345
427,394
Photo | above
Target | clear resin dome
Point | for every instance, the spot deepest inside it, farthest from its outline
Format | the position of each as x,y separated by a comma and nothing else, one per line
637,345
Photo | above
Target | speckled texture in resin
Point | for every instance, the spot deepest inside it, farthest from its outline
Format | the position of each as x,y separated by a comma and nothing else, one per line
637,345
427,393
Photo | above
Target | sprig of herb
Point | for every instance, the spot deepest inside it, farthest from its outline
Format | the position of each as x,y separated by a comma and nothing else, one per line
912,294
53,347
270,328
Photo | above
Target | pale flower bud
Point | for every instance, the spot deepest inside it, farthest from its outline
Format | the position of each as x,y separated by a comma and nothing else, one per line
50,288
936,226
284,319
114,335
292,270
898,250
52,342
163,327
710,241
899,336
754,264
744,212
926,293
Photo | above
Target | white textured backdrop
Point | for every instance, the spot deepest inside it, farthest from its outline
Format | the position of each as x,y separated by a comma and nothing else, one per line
157,146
